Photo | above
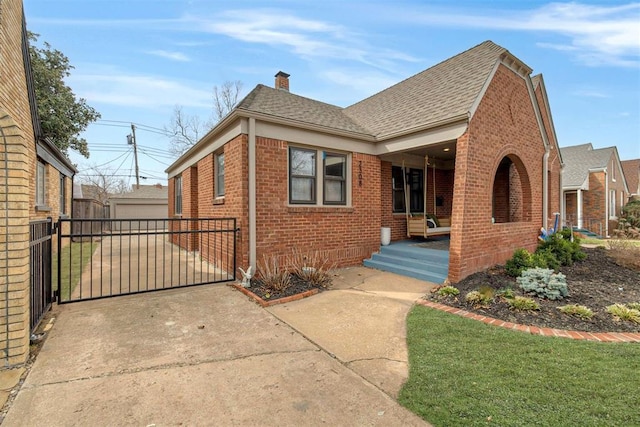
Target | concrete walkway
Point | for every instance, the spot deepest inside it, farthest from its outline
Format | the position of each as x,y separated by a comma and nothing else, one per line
209,356
362,322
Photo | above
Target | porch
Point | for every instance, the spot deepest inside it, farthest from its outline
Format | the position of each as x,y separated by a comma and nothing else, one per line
424,259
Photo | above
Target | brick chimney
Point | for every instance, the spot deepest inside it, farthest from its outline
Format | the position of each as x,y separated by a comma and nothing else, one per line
282,81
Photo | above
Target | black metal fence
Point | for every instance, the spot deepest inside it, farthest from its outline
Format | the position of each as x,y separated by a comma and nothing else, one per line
98,261
40,269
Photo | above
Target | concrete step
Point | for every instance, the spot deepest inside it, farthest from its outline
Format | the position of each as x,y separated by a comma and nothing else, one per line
415,253
437,266
405,271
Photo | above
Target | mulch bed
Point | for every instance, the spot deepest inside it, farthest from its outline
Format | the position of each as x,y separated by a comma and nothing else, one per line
297,286
596,282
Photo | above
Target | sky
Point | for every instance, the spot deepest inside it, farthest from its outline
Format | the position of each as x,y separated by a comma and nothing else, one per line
136,60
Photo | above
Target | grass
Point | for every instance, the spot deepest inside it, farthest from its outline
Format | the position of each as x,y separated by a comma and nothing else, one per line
466,373
78,254
606,242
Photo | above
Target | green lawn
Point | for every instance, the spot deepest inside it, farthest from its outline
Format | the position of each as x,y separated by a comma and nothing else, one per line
466,373
605,242
74,257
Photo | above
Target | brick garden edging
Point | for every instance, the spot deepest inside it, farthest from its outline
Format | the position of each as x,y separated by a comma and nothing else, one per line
534,330
269,303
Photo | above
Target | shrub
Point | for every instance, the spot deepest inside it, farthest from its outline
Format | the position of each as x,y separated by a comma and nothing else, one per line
545,258
477,299
312,268
631,213
520,261
634,305
506,293
564,250
622,312
579,311
543,283
273,277
523,304
447,291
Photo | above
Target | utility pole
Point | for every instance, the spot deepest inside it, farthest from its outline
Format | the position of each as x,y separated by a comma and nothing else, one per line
131,140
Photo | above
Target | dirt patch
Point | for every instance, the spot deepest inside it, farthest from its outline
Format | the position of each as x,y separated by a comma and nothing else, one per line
596,282
297,286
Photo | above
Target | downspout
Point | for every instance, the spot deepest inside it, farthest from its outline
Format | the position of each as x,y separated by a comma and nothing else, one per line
579,207
252,193
562,199
545,189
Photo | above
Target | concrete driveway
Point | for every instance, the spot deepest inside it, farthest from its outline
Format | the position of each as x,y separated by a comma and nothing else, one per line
209,356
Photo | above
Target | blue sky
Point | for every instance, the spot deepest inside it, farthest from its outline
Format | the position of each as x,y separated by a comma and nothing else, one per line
136,59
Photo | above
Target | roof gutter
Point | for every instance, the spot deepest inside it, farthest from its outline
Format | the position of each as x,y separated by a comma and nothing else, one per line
440,123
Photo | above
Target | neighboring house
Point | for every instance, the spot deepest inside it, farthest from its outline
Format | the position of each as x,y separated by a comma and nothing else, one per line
594,188
35,182
631,170
299,173
148,202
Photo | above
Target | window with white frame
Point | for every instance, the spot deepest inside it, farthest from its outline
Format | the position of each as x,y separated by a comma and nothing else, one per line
613,171
307,186
219,175
612,204
178,194
41,183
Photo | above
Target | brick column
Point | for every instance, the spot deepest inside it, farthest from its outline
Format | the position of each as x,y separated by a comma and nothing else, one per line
14,243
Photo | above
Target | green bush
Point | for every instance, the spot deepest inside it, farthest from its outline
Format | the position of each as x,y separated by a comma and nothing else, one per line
506,293
579,311
545,258
564,250
631,213
544,283
520,261
622,312
447,291
478,299
523,304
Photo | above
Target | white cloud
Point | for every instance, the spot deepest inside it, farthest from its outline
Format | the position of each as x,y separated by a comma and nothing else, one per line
117,87
590,93
310,39
597,35
174,56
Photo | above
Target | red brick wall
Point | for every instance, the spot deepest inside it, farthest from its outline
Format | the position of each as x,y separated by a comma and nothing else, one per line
345,235
503,125
553,162
571,209
594,203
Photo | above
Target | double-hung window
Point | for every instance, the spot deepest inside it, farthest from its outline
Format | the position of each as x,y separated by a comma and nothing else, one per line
302,175
310,187
219,175
415,184
335,179
178,195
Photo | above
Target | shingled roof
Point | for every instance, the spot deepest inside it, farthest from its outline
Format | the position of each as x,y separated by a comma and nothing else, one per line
444,91
285,105
579,159
145,192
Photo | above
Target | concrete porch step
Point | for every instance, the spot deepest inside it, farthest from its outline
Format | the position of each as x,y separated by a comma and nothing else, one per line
421,274
431,265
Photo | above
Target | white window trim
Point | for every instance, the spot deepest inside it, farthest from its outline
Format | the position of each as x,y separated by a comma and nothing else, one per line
217,193
319,187
612,204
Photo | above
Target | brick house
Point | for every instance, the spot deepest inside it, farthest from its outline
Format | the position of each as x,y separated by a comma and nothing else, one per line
297,172
35,181
631,170
594,188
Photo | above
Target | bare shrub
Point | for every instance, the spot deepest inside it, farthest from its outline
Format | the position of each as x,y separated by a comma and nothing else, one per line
273,277
625,252
311,267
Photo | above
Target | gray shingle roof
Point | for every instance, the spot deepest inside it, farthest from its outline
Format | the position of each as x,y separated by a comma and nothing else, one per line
443,91
283,104
145,192
579,159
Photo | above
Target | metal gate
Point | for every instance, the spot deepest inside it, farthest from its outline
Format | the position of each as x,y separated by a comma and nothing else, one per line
40,237
101,258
